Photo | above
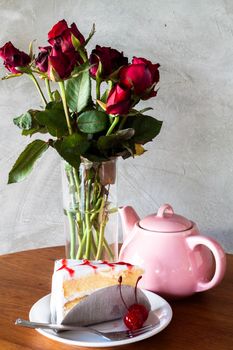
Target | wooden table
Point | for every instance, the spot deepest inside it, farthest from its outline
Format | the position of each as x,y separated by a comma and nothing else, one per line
203,321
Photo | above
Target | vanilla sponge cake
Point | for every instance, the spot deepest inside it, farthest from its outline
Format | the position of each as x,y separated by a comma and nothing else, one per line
74,280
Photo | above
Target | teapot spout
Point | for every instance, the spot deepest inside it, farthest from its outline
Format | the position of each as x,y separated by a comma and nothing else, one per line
128,218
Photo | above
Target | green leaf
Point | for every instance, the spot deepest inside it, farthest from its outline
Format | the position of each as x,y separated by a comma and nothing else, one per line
32,131
92,121
53,117
115,140
146,127
24,121
25,163
78,90
71,148
28,123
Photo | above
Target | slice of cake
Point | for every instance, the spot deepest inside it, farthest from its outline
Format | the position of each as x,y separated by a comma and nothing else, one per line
74,280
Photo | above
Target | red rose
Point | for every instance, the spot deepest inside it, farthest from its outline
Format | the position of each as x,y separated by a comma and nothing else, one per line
61,64
119,100
110,59
60,34
141,76
42,58
13,58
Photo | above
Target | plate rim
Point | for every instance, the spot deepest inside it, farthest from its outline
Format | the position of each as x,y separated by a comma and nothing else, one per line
105,343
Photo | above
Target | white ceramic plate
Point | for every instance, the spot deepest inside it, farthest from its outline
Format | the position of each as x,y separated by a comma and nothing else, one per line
40,312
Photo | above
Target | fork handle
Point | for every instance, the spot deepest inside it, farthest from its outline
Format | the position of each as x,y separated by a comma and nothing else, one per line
29,324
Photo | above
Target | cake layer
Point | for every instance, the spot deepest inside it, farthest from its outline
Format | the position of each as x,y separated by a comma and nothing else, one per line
99,279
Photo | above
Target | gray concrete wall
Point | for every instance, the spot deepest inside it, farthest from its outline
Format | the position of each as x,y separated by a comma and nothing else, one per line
190,164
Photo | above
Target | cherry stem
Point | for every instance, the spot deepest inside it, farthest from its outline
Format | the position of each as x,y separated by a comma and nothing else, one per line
135,289
120,281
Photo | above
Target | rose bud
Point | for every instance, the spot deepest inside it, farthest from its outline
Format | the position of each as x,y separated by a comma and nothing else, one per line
110,60
61,35
119,100
141,76
42,58
60,64
13,58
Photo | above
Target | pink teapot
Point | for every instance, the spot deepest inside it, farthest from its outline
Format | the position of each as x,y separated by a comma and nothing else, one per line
177,260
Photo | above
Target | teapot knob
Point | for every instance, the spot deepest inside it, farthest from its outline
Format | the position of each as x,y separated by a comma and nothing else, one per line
166,208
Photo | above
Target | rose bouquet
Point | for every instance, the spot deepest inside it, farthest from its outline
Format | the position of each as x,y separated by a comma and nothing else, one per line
89,132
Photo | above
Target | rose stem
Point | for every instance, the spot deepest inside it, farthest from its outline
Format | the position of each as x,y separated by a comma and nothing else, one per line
123,120
72,236
96,209
73,183
80,248
83,54
47,84
93,244
38,87
77,210
116,119
71,220
87,220
98,83
101,232
64,102
101,238
109,251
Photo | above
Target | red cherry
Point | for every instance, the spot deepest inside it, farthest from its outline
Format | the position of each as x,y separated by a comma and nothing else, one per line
134,319
141,309
137,313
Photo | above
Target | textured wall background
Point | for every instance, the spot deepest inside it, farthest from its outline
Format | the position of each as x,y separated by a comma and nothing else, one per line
190,164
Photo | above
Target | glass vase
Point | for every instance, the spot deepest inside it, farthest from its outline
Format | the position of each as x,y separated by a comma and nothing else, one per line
90,208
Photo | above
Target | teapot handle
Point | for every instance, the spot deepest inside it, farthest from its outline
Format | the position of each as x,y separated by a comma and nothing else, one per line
219,256
166,208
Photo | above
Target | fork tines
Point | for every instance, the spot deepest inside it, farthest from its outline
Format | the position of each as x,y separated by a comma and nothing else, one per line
134,333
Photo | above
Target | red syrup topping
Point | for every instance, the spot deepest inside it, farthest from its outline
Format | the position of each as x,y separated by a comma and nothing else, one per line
88,263
129,266
104,262
64,266
112,265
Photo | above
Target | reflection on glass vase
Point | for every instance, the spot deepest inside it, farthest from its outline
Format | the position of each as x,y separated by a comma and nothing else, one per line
90,208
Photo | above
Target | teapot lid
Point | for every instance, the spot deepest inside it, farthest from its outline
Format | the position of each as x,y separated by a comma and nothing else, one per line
165,221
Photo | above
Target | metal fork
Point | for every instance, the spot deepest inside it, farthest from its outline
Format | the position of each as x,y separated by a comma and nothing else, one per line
117,335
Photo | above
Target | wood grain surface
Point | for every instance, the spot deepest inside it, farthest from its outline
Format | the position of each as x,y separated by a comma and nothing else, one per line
201,322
